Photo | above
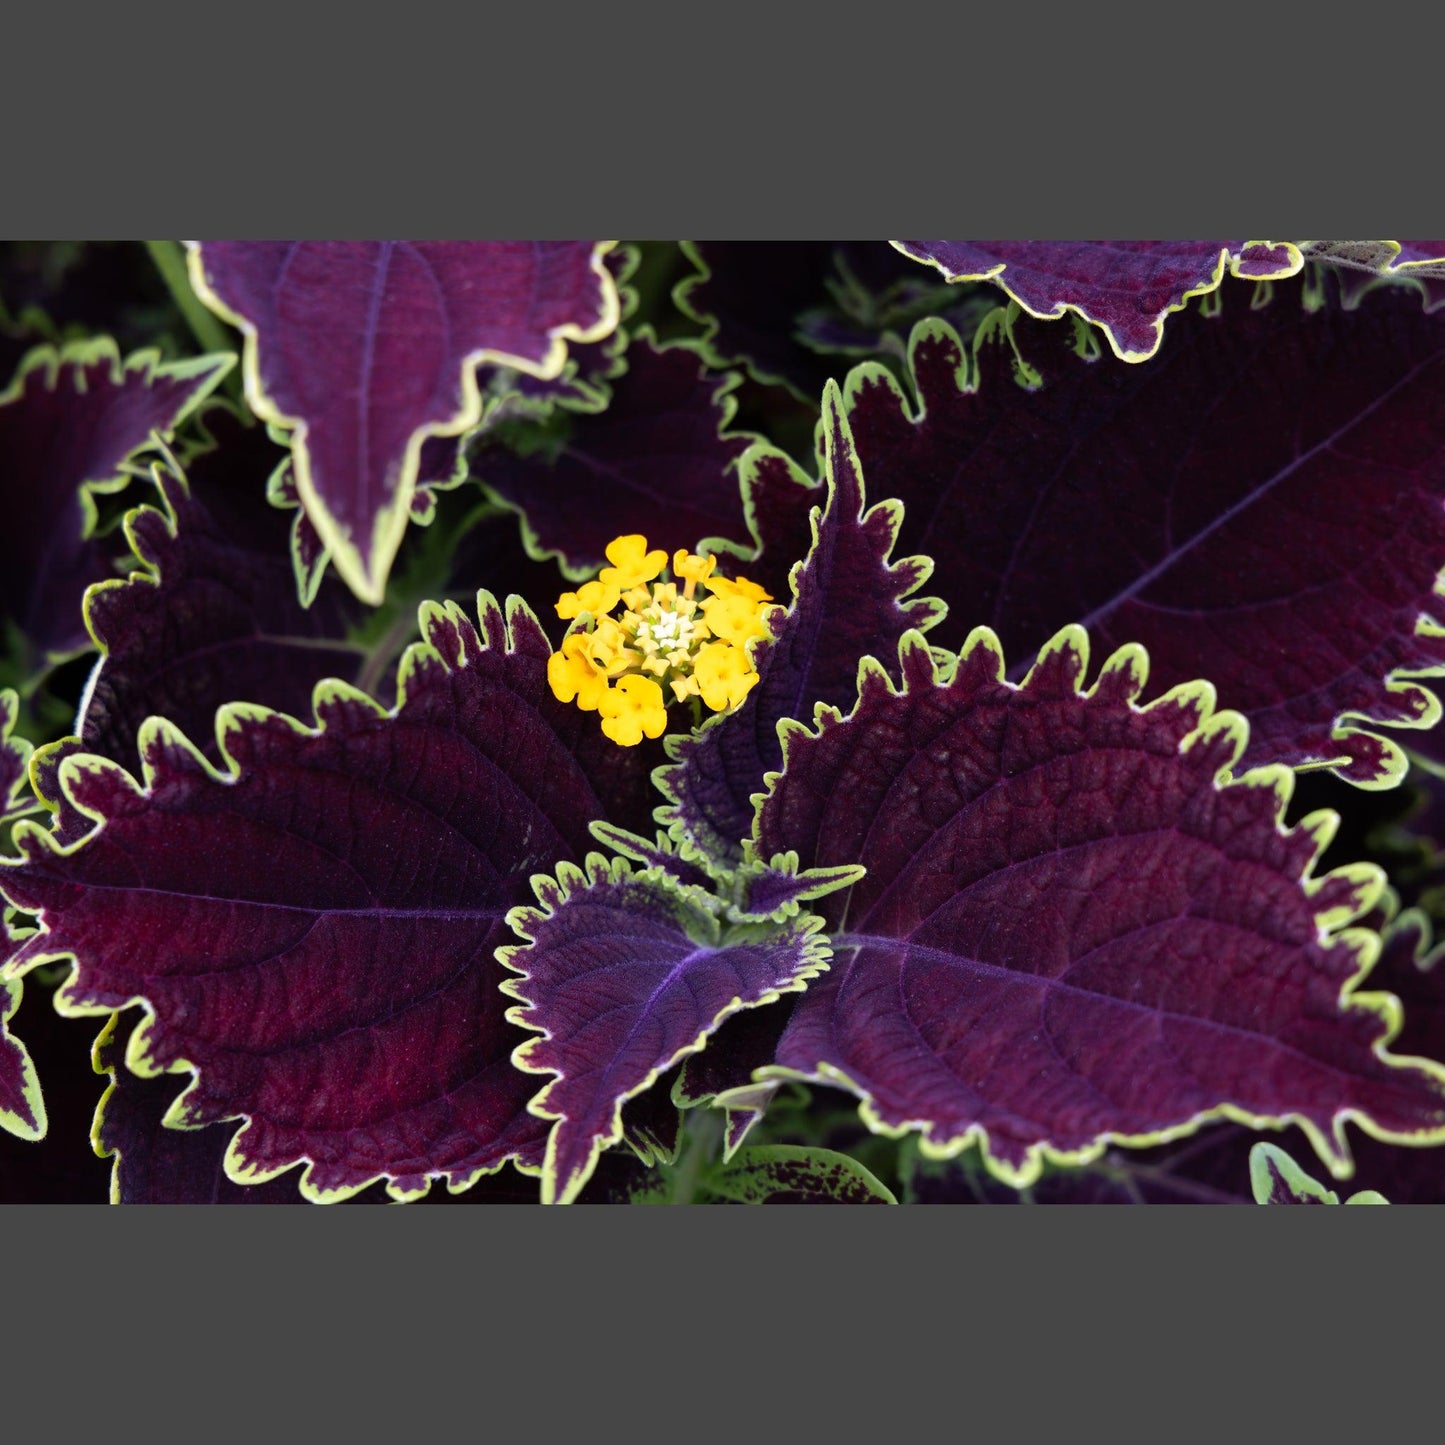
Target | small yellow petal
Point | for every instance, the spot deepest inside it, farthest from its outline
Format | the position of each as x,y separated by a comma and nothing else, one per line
631,562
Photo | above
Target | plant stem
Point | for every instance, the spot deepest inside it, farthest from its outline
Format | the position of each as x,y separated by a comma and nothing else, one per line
206,327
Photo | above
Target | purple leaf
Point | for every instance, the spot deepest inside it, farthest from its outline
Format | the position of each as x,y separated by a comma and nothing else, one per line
1070,931
22,1110
313,932
1260,505
71,425
786,1174
367,348
623,976
213,617
1126,287
850,600
656,462
155,1164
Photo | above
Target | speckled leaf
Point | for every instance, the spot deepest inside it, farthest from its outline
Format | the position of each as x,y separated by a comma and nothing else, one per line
623,976
367,348
849,600
1126,287
785,1174
313,931
1277,1179
22,1109
213,617
1260,505
1070,932
71,424
656,461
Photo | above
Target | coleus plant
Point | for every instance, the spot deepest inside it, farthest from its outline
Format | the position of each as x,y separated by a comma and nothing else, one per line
721,722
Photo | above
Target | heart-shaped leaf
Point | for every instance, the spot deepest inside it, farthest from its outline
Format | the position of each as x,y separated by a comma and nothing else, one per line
1125,287
1260,505
1070,931
71,425
313,931
367,348
623,976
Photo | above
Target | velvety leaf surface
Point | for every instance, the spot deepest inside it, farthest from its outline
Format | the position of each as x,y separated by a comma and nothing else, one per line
22,1110
153,1164
314,931
625,975
656,461
69,425
1125,287
213,617
1260,505
366,348
849,601
784,1174
1069,932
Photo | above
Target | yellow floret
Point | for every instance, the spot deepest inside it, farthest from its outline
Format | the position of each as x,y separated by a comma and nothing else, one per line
572,675
724,675
632,563
593,597
734,618
632,708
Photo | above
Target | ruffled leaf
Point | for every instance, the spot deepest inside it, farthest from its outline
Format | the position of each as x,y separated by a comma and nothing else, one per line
850,600
367,348
1125,287
623,976
1070,931
71,425
1260,506
656,461
313,931
213,617
14,758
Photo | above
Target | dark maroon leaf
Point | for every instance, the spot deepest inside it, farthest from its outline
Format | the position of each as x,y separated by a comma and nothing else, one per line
214,617
366,348
1070,931
1126,287
153,1164
752,296
1260,505
850,600
655,462
71,424
314,931
623,976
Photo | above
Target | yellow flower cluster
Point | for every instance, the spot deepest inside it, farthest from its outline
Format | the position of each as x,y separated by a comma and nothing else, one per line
664,641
